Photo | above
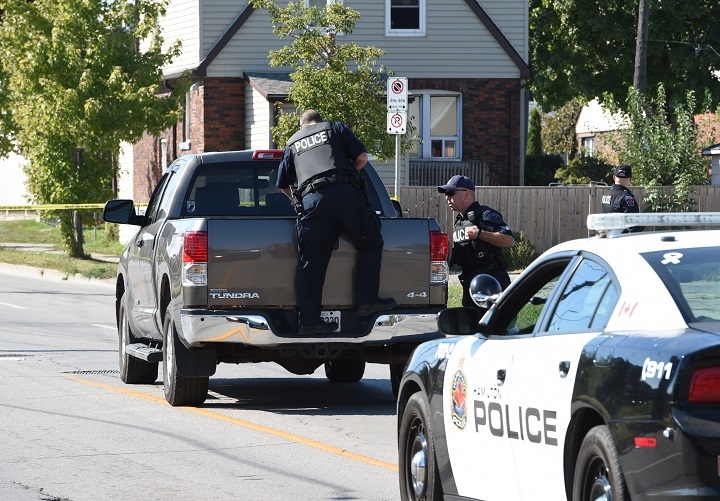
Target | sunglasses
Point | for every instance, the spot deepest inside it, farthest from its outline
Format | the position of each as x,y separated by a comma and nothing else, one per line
450,193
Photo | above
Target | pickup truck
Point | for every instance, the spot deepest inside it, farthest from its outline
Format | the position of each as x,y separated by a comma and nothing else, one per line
209,278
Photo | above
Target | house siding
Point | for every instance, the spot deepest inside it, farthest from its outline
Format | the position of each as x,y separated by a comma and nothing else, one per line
183,22
456,44
257,120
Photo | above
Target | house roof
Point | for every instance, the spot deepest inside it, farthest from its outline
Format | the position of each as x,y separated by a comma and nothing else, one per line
272,86
479,12
711,150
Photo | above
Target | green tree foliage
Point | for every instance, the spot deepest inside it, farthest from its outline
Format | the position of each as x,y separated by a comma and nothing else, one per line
661,154
583,170
75,86
585,48
540,169
534,146
341,81
558,132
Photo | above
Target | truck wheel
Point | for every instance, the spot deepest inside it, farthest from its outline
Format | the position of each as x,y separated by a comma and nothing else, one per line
419,474
179,390
132,370
344,370
598,476
396,373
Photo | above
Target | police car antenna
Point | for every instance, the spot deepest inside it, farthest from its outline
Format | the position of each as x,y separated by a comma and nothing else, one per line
610,225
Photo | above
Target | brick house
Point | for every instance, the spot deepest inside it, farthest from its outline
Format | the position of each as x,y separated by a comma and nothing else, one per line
465,61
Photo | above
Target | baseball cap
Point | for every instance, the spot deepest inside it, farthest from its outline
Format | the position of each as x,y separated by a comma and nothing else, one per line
623,170
457,182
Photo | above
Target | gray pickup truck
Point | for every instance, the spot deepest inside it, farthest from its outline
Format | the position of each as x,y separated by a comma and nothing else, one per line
209,277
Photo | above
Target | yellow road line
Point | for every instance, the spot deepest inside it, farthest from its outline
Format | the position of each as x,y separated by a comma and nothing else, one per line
251,426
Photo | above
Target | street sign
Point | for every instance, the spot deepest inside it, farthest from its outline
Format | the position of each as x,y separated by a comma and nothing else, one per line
397,94
396,122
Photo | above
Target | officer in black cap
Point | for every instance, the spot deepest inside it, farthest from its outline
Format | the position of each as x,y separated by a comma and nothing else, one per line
479,236
323,159
620,198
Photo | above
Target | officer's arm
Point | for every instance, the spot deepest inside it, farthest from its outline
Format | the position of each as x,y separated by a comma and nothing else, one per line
360,161
496,238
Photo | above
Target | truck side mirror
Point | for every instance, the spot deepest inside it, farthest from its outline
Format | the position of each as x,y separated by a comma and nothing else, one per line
122,212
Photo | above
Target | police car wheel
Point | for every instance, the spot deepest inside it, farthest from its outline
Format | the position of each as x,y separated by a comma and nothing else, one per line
598,476
132,370
419,475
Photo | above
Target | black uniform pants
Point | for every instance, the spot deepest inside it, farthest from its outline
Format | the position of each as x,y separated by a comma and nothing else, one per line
332,209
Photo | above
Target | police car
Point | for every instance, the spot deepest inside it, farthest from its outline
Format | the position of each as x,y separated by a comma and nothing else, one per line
594,376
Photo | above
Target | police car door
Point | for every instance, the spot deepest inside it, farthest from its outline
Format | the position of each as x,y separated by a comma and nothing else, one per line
481,452
544,369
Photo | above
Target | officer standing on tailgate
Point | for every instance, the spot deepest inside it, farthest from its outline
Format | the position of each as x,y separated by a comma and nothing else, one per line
621,199
323,159
479,236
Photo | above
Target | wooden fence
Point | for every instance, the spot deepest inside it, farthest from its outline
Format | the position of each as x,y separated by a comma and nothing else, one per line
545,215
437,172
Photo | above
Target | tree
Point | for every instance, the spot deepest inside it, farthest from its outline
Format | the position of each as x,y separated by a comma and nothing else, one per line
661,154
558,132
534,146
76,85
586,48
340,81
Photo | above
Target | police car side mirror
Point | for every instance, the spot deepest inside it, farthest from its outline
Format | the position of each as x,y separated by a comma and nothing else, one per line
459,321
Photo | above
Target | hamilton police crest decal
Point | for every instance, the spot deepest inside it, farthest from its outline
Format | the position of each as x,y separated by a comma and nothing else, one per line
458,407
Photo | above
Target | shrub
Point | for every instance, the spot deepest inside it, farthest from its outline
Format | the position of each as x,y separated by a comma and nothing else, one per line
521,254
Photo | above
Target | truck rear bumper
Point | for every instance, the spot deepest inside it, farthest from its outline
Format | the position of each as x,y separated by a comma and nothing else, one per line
199,328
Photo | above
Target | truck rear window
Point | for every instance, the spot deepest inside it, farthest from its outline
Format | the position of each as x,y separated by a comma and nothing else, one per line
236,189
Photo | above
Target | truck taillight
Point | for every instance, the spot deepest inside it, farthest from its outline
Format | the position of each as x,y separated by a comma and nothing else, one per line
268,155
439,251
194,256
705,386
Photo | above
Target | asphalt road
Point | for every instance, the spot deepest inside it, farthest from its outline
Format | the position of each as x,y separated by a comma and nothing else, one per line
72,431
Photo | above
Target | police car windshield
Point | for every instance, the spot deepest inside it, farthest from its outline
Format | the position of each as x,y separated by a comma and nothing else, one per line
692,276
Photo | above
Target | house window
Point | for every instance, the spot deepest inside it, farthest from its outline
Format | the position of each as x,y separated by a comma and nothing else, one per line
588,146
437,118
405,17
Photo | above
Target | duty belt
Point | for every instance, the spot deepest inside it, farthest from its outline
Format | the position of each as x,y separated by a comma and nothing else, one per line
321,180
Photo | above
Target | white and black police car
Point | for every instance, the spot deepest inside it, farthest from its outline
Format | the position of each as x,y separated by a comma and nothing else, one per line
594,376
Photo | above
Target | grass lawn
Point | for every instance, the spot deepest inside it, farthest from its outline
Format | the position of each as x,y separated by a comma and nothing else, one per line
53,258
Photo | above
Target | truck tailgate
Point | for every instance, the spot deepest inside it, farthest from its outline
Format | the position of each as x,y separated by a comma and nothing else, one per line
252,263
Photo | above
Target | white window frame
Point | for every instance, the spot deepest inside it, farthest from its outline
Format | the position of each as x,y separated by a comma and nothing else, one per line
588,146
423,128
420,32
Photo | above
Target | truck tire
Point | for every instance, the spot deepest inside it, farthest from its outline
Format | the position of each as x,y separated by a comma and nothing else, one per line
179,390
132,370
344,370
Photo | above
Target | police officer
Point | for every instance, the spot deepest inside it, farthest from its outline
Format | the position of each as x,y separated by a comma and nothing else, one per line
620,198
323,159
479,236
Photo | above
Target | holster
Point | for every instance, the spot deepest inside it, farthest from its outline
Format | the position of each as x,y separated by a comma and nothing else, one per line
297,202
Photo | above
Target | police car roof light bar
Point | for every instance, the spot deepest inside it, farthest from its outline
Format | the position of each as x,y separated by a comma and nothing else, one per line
613,224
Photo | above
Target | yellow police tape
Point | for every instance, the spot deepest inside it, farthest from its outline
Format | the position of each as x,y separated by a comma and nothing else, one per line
57,206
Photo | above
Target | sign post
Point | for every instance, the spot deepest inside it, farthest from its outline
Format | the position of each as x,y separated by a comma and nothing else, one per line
397,105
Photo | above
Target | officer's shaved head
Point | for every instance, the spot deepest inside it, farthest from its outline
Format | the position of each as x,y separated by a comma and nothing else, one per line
310,117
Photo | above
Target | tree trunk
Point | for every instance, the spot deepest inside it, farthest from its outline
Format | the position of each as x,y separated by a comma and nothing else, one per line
640,75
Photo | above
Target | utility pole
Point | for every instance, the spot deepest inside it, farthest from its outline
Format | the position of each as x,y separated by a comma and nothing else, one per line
640,75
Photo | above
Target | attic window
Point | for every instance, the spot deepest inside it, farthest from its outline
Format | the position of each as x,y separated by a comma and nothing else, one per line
404,17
